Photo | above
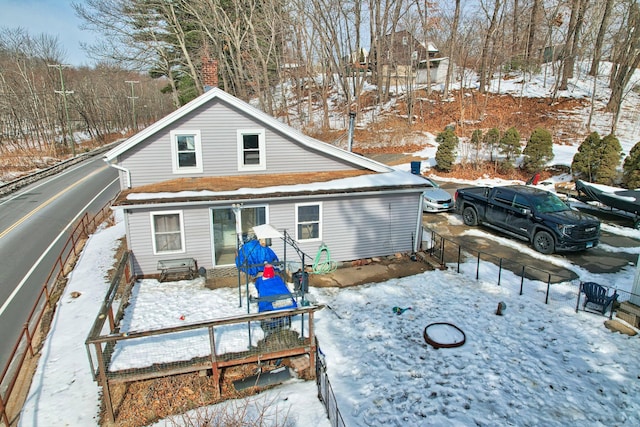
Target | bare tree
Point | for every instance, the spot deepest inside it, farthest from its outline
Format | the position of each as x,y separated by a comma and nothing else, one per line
30,113
485,60
533,25
452,46
597,48
578,8
626,60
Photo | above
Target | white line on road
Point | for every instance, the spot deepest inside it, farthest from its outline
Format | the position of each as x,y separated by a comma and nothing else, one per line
24,280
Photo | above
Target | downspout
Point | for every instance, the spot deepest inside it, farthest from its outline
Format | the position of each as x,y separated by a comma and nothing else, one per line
126,171
352,119
418,240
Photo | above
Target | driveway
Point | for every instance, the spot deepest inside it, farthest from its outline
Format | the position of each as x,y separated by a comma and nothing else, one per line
493,245
597,260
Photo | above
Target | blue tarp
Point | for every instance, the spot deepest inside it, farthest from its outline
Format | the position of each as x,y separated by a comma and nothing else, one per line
254,254
272,288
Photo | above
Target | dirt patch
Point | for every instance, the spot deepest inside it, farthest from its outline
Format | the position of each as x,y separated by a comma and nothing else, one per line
376,270
615,326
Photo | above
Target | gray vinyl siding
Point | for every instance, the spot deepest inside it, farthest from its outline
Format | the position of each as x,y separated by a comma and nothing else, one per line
150,161
197,238
354,227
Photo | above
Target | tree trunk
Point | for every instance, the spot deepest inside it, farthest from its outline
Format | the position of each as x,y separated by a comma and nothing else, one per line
486,48
597,49
578,8
533,24
452,46
514,28
626,62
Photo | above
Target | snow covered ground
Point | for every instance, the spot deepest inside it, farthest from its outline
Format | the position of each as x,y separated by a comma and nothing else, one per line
537,365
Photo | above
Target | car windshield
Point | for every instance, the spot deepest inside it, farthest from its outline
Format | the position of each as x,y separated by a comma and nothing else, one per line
431,182
547,203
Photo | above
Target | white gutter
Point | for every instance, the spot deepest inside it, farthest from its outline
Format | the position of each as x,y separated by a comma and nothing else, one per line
126,171
256,200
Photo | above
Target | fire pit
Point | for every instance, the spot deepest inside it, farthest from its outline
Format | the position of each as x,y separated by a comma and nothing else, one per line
444,335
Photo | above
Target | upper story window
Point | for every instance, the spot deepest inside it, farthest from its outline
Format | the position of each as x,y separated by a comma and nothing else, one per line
186,151
251,149
167,230
308,221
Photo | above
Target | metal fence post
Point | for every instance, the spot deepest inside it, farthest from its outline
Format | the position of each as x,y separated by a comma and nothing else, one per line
578,300
478,267
522,279
29,339
3,411
546,299
499,271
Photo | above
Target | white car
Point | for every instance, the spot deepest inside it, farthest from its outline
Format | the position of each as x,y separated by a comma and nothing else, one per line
435,199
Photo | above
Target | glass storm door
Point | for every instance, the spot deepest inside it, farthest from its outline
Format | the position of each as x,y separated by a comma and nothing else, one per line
230,230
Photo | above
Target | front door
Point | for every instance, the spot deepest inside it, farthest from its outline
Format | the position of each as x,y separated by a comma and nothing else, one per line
231,227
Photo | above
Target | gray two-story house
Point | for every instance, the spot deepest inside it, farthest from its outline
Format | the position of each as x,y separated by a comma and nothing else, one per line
196,182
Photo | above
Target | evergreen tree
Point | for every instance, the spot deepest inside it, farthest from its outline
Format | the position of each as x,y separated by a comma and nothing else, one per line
631,168
476,143
586,160
510,145
539,150
446,153
610,150
491,140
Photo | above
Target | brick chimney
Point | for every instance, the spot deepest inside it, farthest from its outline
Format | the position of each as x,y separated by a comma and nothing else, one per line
209,73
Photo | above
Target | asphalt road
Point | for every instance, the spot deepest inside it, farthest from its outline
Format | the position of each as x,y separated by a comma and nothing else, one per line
35,222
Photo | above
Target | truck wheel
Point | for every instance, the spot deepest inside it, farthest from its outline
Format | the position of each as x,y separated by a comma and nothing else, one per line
469,216
543,242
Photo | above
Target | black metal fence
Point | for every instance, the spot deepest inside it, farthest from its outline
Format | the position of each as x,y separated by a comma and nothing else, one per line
446,251
325,392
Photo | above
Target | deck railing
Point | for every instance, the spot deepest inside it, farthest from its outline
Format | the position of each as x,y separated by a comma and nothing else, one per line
213,345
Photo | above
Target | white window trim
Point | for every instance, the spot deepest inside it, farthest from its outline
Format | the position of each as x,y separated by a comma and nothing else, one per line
319,238
153,232
262,165
174,152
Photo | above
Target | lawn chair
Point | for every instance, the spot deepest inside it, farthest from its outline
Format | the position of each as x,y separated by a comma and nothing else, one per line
597,298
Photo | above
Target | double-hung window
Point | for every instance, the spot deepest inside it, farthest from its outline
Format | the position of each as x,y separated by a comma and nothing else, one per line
186,151
251,149
167,230
309,221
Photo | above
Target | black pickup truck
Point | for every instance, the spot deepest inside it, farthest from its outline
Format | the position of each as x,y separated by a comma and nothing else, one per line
530,214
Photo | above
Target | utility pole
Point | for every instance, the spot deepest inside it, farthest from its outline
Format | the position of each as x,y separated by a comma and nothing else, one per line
66,108
133,98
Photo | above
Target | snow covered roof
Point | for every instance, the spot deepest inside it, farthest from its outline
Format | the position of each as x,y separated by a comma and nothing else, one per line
223,188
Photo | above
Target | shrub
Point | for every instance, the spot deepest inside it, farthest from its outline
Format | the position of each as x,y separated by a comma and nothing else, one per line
510,144
446,153
539,150
586,160
631,168
476,143
609,160
491,140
